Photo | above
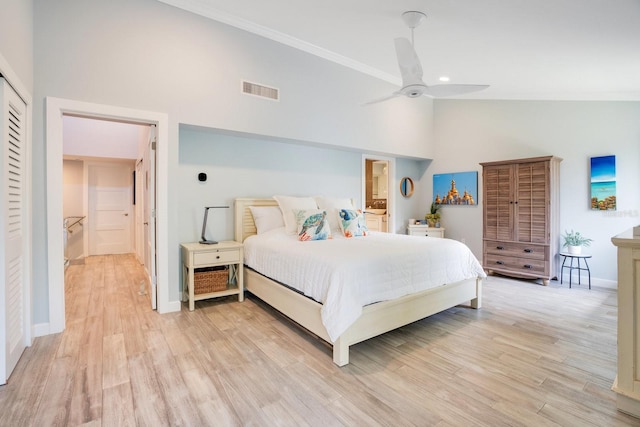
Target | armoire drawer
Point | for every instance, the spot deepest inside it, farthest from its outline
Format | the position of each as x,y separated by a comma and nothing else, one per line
514,264
513,249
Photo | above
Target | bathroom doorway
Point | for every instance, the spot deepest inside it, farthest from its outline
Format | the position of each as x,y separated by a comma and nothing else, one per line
378,185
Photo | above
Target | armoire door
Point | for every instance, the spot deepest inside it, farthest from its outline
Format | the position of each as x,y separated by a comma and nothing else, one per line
532,207
498,191
13,131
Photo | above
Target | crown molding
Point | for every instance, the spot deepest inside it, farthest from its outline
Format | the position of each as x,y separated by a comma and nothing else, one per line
200,7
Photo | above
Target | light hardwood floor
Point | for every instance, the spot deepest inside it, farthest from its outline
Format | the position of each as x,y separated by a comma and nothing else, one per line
533,355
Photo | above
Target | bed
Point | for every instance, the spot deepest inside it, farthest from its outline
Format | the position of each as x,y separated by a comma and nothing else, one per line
374,319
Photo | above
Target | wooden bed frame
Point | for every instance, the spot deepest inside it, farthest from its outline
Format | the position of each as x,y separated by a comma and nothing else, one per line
376,319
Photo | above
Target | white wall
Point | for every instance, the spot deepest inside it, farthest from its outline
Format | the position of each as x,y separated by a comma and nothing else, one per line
73,188
147,55
194,72
469,132
417,205
16,39
100,138
73,202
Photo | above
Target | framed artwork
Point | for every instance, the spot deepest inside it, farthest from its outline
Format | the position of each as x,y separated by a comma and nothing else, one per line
603,183
459,188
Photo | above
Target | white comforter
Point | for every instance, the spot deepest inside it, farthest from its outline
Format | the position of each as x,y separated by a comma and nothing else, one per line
347,274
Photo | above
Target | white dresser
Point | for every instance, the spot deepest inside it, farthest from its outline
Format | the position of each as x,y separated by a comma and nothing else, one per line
627,383
423,230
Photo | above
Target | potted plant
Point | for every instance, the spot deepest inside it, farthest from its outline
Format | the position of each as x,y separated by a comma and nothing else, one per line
433,217
574,241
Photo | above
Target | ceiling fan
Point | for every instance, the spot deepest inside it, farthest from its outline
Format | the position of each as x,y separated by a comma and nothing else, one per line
411,70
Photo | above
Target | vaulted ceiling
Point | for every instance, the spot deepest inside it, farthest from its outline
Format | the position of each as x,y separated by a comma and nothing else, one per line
524,49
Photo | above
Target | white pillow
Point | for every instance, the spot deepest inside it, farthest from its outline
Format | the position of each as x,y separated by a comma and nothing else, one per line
333,205
266,218
288,204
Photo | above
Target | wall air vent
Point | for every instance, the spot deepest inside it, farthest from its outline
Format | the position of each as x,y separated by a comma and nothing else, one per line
262,91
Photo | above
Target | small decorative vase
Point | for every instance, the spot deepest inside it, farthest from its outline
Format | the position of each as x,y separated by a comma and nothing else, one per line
574,250
431,223
438,224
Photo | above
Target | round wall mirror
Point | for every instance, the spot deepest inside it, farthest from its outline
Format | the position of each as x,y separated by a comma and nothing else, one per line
406,186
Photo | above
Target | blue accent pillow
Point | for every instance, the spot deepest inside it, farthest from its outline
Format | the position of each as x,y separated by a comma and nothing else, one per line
352,223
312,224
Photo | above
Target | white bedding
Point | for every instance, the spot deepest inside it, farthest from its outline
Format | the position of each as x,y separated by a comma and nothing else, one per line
347,274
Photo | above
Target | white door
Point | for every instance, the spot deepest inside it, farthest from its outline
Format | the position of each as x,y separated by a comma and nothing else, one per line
13,140
109,215
150,215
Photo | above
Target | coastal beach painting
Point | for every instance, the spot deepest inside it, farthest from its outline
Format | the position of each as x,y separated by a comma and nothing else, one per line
603,183
459,188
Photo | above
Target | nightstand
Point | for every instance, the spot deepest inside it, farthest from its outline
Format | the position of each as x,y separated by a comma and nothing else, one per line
196,255
423,230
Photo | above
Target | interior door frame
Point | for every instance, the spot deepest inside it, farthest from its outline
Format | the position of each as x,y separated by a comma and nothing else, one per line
151,225
56,108
138,209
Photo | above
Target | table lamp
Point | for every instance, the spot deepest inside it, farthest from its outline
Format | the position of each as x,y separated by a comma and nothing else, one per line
203,240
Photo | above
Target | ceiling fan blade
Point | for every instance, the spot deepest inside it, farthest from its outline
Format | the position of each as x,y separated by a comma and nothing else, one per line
408,62
444,90
386,98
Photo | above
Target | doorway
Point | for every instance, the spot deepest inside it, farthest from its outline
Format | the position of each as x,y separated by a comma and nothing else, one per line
377,192
56,108
102,194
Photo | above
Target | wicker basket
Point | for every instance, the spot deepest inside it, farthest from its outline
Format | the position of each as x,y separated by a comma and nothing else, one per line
210,279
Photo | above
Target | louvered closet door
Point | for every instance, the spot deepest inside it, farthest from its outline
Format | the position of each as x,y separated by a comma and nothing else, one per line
532,209
13,145
498,200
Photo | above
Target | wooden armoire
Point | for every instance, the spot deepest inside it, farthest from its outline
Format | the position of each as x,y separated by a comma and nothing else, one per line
521,217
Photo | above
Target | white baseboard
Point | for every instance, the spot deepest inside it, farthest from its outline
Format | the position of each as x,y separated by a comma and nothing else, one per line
40,330
172,307
595,281
604,283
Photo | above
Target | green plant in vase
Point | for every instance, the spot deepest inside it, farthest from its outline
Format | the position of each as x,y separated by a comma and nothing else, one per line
574,241
433,217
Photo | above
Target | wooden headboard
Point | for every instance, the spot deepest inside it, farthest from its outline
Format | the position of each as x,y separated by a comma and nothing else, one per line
243,220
